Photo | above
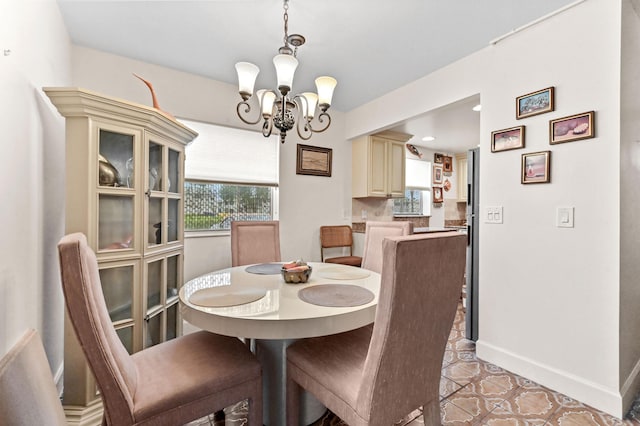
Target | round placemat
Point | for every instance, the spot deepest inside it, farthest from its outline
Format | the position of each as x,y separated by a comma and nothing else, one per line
264,269
336,295
347,273
215,297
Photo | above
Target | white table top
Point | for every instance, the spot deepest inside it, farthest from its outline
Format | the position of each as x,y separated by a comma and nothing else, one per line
280,314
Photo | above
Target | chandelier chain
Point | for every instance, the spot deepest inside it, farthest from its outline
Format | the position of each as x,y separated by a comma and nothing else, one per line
286,22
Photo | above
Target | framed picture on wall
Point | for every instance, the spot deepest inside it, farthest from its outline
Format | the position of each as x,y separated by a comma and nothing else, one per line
536,167
437,158
437,194
313,160
506,139
572,128
447,164
437,174
534,103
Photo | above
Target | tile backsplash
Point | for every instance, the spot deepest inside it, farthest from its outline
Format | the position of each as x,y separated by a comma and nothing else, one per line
455,213
372,209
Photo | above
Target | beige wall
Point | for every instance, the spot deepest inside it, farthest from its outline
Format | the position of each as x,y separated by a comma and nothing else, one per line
32,174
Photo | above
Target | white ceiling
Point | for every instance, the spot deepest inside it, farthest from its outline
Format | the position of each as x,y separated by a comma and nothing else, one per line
370,46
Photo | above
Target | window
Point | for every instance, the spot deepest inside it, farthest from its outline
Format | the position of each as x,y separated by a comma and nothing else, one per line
231,174
417,196
212,206
411,204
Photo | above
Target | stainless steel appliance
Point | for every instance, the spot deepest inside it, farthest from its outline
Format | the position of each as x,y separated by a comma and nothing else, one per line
473,221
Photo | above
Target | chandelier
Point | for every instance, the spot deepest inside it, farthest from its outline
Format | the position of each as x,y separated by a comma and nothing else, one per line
279,111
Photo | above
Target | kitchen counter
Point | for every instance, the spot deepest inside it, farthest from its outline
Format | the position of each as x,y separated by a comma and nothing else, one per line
431,229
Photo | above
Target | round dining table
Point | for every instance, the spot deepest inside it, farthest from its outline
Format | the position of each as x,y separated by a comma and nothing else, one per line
253,302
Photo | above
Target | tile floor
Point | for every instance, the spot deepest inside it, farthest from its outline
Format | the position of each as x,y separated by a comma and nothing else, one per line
474,392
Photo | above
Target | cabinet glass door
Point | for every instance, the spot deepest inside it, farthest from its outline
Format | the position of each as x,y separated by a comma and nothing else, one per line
117,287
115,162
153,330
172,278
173,223
154,226
172,321
173,185
115,222
155,167
126,337
154,285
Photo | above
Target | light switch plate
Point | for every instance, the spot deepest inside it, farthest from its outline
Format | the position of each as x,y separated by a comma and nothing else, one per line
493,214
564,217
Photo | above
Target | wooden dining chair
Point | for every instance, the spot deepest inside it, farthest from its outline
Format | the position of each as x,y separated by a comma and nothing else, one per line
377,375
255,242
375,232
338,236
28,395
171,383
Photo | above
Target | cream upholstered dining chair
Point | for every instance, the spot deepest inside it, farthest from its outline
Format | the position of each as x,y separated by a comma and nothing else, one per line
255,242
172,383
337,236
374,233
28,394
376,376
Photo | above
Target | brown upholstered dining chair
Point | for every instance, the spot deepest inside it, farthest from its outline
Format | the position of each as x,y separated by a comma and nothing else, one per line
377,375
172,383
374,233
255,242
338,236
28,394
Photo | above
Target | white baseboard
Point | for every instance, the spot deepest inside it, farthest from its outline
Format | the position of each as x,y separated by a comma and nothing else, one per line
604,399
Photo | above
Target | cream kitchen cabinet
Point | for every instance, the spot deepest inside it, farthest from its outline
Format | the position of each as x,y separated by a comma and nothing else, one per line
124,191
378,165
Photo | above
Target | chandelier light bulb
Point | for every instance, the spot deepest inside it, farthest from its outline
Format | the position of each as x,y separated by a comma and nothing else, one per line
266,98
325,86
285,69
309,107
247,74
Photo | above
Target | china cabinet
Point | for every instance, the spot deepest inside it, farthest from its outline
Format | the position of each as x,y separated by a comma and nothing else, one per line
378,165
461,163
124,191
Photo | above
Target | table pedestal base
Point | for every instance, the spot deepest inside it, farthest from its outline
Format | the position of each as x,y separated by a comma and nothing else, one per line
272,356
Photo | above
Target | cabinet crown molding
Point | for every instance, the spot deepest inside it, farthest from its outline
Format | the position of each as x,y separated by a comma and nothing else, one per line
79,102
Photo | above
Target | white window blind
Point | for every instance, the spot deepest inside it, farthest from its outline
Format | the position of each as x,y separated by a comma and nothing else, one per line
417,174
224,154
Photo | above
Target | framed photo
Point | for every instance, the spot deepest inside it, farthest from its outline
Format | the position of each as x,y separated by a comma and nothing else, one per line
313,160
534,103
506,139
447,164
437,158
437,194
572,128
437,174
536,167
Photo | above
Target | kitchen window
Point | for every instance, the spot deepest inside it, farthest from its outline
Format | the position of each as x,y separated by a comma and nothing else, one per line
417,196
412,204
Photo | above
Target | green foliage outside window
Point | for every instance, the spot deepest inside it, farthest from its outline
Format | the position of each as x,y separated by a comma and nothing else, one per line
210,205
